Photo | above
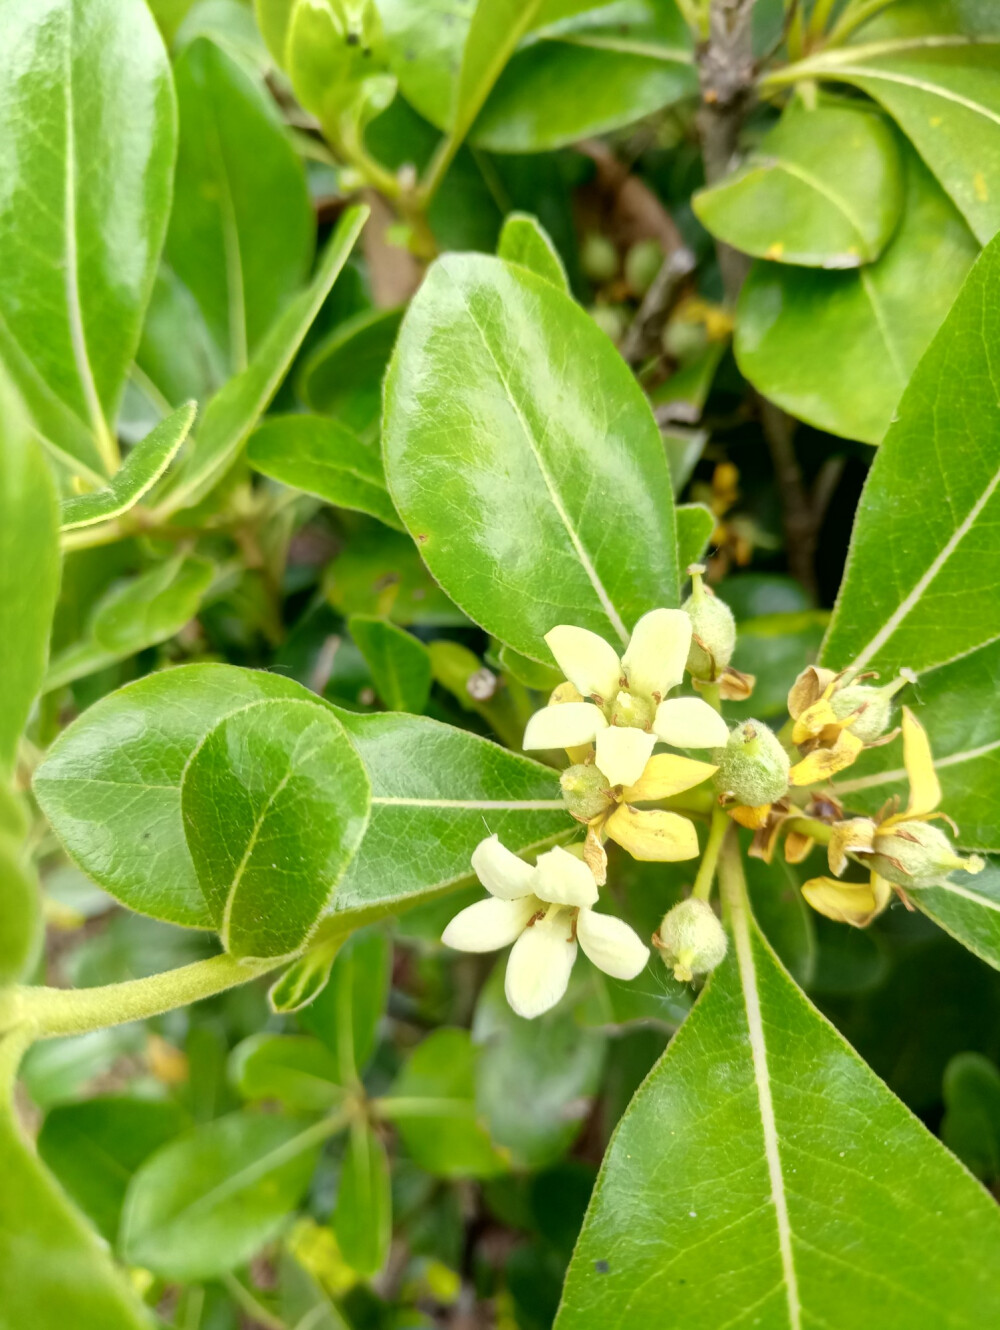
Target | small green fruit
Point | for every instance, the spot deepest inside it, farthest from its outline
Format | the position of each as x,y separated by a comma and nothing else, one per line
714,627
598,258
642,262
691,939
633,710
753,766
585,791
912,854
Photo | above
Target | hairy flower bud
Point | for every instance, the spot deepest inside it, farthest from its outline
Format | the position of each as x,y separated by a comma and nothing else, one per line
713,628
753,766
585,791
914,853
691,940
873,705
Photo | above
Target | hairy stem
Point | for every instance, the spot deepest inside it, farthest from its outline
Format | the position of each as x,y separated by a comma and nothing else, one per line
702,888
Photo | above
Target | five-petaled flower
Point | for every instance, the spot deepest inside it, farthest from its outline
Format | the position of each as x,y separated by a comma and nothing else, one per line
621,705
900,849
545,911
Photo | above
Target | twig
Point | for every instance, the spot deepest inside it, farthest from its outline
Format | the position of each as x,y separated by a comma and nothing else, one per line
652,313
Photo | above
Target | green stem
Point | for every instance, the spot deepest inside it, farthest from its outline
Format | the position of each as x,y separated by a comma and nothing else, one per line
391,1107
732,884
13,1047
811,826
712,694
853,17
702,888
46,1012
247,1303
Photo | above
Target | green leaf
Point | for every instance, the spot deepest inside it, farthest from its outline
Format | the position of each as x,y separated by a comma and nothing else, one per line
54,1270
324,458
304,1303
536,1080
29,571
296,1070
496,481
136,613
837,349
111,783
971,1125
433,1106
495,28
236,408
303,981
399,663
695,524
362,1219
436,793
823,189
211,1198
95,1147
21,927
274,801
273,17
767,1193
775,649
784,917
932,500
968,908
241,235
347,1014
523,240
177,356
380,572
532,673
87,126
945,96
141,469
342,377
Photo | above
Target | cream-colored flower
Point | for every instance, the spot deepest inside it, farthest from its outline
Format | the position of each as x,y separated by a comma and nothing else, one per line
625,708
545,911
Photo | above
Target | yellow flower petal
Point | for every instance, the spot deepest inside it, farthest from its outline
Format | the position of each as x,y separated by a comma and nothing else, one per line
564,725
658,652
653,834
540,964
854,903
813,721
797,847
822,763
808,688
855,835
587,661
610,944
925,788
667,774
688,722
622,753
751,818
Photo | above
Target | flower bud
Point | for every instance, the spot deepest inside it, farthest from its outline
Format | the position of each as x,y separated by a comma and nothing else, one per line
691,939
713,629
753,766
642,262
598,258
914,853
874,706
633,710
585,791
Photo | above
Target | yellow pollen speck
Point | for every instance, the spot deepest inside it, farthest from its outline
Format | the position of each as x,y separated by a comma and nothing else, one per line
979,185
775,251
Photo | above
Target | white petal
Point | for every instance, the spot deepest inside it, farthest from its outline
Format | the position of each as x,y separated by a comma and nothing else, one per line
500,871
563,879
539,967
622,753
611,944
688,722
586,660
658,652
489,925
565,725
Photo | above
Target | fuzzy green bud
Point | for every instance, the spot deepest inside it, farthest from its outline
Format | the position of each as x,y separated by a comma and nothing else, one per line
691,939
642,262
633,710
874,706
598,258
753,766
913,854
713,628
585,791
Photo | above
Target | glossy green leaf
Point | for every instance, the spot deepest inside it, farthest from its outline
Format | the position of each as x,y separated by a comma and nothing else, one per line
242,233
433,1107
273,17
785,919
303,981
136,613
789,1184
274,802
523,240
495,28
29,571
324,458
21,926
210,1199
236,408
695,524
944,93
495,479
824,189
111,783
54,1270
837,349
177,356
94,1147
971,1125
532,673
362,1219
682,398
87,127
141,469
399,663
775,649
296,1070
920,584
436,793
343,376
347,1014
536,1080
